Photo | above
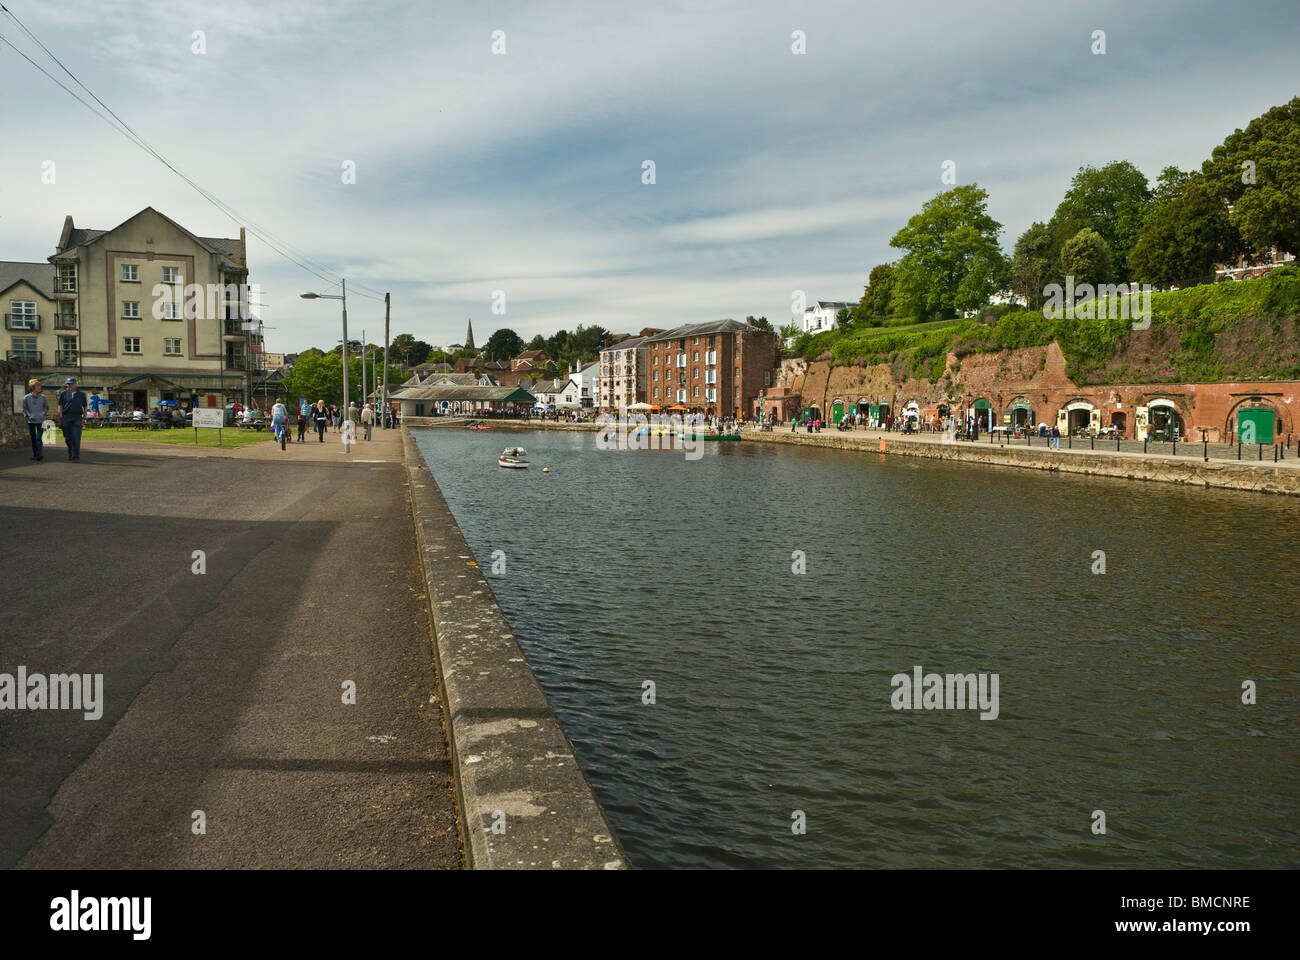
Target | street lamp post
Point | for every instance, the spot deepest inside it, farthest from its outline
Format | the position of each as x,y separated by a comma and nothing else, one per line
344,298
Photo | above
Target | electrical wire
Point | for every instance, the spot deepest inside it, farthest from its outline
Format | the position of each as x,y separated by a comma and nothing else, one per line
284,249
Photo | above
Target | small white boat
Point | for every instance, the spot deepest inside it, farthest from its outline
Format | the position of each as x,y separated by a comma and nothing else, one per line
513,457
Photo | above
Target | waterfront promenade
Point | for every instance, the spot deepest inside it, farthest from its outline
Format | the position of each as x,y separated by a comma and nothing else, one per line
223,690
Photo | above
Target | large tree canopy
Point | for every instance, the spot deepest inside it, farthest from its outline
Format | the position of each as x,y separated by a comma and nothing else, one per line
951,260
1111,200
1032,267
1257,170
503,344
1086,258
1186,234
877,297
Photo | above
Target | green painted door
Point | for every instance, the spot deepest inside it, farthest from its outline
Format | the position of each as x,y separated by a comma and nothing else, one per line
837,412
1255,425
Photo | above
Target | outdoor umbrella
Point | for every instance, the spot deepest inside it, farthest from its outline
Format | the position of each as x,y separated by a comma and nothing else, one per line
166,403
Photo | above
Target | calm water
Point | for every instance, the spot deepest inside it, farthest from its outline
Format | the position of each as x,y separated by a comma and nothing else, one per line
1119,693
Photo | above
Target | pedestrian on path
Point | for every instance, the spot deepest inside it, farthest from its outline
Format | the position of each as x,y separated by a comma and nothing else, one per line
72,407
1056,438
354,414
303,416
368,419
321,416
35,409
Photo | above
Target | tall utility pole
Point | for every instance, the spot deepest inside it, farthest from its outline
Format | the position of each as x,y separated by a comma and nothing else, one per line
346,349
386,310
363,367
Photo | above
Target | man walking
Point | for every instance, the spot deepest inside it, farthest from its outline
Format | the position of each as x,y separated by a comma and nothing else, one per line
72,407
35,409
368,418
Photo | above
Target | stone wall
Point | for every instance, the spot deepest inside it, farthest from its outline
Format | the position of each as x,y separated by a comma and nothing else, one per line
13,432
1257,477
1036,376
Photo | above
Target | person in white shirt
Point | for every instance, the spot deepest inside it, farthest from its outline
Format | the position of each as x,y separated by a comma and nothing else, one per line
138,414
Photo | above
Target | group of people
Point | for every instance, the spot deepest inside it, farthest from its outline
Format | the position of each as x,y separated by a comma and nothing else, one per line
72,405
324,417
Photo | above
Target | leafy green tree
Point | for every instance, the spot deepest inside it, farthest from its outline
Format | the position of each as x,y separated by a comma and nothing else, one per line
762,323
877,297
417,353
1186,234
537,343
1111,200
397,350
1086,257
1032,266
951,258
1257,171
503,344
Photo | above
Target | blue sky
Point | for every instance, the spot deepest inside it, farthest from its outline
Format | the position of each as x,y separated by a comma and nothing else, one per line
522,173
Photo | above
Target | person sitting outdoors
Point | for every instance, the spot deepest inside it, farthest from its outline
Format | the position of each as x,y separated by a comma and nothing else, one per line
137,414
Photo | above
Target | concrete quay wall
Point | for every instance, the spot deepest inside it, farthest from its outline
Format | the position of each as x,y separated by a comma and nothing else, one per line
525,802
1190,469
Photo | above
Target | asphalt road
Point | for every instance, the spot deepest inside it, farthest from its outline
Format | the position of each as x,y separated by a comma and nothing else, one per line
223,691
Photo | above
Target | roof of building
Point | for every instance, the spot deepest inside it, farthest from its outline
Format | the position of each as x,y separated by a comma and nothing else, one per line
703,329
532,356
40,276
627,344
834,304
496,394
229,249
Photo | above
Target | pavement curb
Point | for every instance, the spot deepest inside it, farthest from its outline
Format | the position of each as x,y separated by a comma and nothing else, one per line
525,801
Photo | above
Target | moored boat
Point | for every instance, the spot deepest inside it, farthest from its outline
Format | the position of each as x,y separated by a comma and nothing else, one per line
513,457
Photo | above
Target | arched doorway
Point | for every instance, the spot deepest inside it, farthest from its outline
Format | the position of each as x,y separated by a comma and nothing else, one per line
1164,422
1257,423
837,410
1119,422
1021,414
1080,416
983,413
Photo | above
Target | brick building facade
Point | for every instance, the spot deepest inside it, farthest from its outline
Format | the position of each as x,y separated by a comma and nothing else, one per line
716,368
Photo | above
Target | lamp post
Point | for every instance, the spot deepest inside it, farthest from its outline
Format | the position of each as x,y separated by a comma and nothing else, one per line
344,298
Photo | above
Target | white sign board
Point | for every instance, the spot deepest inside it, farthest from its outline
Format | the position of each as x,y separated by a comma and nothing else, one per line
207,417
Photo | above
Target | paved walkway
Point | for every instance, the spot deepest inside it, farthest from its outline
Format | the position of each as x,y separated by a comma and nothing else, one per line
223,691
1128,448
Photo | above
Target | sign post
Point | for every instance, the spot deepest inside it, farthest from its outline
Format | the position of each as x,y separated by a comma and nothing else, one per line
208,418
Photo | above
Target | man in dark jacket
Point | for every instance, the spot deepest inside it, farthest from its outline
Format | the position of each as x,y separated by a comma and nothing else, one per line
72,407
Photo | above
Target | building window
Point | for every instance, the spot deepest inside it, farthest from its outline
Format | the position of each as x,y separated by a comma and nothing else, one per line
656,376
697,353
171,274
171,346
130,273
130,344
25,350
656,391
22,315
738,393
172,311
697,374
131,309
767,378
697,391
711,376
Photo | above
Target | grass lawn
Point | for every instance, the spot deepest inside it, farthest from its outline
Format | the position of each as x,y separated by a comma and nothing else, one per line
230,438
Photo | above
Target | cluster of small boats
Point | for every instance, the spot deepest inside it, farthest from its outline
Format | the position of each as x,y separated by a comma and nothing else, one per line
683,434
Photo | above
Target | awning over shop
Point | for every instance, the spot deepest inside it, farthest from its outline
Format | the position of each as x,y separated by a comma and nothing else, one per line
983,404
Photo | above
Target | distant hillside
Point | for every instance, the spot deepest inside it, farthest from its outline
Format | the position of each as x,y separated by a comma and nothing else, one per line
1242,330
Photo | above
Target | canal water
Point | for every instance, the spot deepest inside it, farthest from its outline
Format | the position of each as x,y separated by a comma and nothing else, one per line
1118,692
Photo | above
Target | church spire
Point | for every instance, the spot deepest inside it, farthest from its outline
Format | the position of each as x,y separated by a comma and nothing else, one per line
469,335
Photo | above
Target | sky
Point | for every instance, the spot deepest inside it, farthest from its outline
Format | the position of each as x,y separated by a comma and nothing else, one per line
514,180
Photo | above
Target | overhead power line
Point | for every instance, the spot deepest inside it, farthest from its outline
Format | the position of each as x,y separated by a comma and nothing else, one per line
281,247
